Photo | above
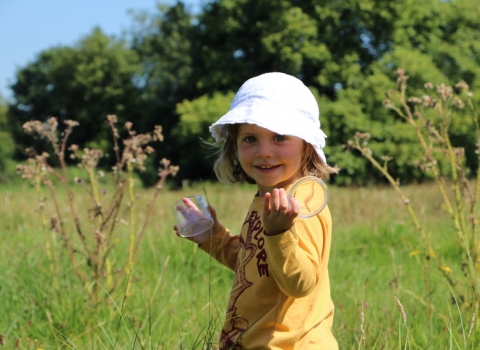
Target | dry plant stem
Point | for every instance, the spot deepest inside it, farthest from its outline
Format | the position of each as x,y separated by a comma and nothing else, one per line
436,175
459,217
474,220
48,241
131,193
367,154
66,240
158,187
114,207
60,153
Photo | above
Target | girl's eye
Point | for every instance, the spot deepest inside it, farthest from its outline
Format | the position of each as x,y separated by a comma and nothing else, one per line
249,139
279,138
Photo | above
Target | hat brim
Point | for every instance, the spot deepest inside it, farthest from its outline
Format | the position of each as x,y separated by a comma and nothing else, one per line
274,118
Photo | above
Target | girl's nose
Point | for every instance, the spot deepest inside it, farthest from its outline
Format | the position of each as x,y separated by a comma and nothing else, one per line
264,150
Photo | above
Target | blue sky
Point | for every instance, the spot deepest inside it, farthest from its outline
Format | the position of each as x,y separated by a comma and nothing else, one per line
28,27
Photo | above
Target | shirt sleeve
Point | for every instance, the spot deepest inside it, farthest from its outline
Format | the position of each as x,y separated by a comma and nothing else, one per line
223,246
295,256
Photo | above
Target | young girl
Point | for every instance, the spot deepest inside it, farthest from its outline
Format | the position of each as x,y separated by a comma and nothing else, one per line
280,297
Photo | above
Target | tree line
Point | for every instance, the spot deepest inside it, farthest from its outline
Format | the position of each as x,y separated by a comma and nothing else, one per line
181,70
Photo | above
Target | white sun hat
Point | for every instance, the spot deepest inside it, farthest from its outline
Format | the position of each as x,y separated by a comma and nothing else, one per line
278,102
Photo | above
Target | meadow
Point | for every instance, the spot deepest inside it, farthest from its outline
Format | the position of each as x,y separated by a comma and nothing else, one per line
386,296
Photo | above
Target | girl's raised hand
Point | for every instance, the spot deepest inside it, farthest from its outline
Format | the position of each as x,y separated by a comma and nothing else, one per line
195,214
278,216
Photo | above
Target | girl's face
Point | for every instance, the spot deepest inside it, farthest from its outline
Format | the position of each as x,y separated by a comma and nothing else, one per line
272,160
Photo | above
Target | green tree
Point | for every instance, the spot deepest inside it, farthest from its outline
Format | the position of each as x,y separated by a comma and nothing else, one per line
163,41
7,145
347,51
84,83
192,129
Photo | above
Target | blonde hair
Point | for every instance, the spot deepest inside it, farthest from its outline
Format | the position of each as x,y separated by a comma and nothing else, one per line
228,170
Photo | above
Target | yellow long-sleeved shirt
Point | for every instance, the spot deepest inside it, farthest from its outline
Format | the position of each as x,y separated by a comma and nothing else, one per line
280,297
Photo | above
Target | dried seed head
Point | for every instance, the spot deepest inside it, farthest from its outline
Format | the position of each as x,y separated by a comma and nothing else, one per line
362,135
388,103
472,323
428,101
444,91
415,100
158,133
428,85
461,85
112,118
459,151
77,180
71,123
173,169
402,310
458,102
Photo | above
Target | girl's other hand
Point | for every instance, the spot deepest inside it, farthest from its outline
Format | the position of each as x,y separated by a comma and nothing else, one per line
278,216
202,237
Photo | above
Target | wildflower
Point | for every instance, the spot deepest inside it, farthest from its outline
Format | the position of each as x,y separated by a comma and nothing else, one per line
101,173
149,150
415,252
446,269
388,104
469,94
104,191
387,158
128,125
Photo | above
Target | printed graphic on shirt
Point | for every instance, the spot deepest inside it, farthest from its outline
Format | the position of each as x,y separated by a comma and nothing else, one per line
235,325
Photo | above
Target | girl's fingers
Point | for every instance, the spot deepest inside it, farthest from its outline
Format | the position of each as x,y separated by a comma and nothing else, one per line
294,207
189,203
275,200
266,203
283,200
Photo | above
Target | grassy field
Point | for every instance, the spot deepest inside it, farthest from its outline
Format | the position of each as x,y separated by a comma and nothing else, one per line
179,294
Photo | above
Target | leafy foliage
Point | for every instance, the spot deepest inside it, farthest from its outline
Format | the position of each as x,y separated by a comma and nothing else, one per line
7,145
83,83
344,50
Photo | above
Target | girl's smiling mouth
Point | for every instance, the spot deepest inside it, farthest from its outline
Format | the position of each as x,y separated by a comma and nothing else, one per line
266,168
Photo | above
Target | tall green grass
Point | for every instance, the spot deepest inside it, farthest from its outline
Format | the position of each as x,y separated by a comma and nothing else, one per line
178,294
